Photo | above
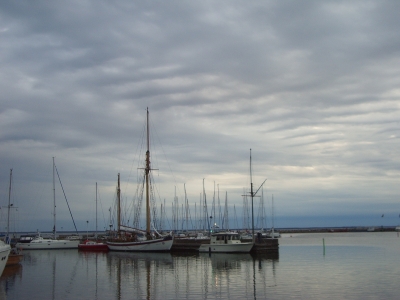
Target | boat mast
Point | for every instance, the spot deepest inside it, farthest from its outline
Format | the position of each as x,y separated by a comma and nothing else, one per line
147,171
119,206
252,194
273,233
9,206
252,198
186,208
95,236
54,199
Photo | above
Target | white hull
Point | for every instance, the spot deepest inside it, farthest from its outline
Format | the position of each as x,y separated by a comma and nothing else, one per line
226,248
4,252
158,245
45,244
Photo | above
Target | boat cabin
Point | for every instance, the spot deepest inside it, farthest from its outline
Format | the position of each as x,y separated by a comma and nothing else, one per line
225,238
26,238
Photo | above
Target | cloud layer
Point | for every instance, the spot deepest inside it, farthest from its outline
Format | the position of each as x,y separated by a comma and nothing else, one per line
311,87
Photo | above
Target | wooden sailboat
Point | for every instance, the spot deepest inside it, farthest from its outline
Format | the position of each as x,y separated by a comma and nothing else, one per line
89,245
41,243
15,256
128,238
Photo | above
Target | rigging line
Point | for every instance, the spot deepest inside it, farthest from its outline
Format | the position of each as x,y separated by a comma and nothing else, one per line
153,128
102,210
114,210
139,149
66,199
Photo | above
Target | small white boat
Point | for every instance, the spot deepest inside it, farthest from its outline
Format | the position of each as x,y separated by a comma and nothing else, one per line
226,242
272,234
4,253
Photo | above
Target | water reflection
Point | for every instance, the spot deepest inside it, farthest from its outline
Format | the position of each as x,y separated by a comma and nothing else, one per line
357,266
8,278
11,272
139,273
155,275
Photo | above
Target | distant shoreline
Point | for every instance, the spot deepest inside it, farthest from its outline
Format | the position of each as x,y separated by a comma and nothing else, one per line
280,230
338,229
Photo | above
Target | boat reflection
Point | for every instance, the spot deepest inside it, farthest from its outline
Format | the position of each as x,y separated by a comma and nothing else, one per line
257,270
224,262
12,271
126,270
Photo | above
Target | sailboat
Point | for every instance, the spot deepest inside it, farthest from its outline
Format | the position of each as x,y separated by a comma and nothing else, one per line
128,238
89,245
40,243
15,257
273,234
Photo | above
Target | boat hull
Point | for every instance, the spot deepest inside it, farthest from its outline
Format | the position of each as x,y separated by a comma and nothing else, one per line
48,244
4,253
226,248
92,246
157,245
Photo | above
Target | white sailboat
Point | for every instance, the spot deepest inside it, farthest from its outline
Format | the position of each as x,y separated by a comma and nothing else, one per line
273,234
41,243
128,238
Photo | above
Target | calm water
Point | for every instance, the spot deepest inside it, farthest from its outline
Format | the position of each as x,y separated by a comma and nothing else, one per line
354,266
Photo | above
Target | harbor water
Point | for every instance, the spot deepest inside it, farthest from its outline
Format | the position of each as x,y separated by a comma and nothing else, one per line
363,265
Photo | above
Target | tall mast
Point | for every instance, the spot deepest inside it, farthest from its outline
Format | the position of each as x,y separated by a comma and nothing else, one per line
252,194
54,200
119,206
273,234
147,171
9,206
186,208
252,198
226,217
96,212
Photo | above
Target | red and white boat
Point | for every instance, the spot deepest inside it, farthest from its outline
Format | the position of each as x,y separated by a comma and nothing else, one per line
89,245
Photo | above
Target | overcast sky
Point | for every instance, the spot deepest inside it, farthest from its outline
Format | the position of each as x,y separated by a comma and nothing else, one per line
312,87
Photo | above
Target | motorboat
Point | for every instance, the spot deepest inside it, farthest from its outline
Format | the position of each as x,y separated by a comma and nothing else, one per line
41,243
226,242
